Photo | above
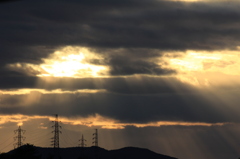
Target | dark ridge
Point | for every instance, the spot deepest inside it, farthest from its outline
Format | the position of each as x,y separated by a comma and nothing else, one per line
33,152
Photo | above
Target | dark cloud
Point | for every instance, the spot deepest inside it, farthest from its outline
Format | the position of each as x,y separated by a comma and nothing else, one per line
124,108
130,61
130,85
137,99
123,65
28,28
124,85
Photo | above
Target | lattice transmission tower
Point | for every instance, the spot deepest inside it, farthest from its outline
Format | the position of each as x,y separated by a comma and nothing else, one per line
56,131
82,142
95,138
19,137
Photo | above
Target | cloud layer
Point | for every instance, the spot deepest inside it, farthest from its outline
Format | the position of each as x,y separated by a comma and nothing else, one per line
132,38
29,34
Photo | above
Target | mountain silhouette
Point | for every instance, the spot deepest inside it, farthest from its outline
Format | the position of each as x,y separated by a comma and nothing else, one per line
33,152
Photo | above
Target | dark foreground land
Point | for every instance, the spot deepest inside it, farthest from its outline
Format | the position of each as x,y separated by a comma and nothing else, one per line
32,152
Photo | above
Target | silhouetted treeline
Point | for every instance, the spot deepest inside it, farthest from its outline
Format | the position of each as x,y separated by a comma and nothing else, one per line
24,152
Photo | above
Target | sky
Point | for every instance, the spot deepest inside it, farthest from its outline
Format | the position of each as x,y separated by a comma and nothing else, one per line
156,74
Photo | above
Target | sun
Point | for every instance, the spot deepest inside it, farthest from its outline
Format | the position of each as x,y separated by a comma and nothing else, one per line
71,64
66,68
76,62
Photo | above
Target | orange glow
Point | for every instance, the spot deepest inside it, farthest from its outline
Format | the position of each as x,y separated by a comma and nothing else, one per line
18,118
20,124
98,120
188,0
66,62
197,67
43,91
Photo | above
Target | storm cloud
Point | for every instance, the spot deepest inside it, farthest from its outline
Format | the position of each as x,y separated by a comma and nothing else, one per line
32,30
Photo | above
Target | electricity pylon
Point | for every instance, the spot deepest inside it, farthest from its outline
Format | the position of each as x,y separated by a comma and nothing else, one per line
82,142
19,137
56,132
95,138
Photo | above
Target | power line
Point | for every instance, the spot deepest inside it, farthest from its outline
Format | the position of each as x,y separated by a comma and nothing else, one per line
7,146
39,138
7,139
67,137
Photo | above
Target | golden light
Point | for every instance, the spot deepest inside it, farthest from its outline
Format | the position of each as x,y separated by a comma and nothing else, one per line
226,62
99,121
20,124
69,61
201,68
200,1
187,0
43,91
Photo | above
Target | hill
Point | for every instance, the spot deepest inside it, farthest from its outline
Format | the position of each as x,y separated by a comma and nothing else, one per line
32,152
